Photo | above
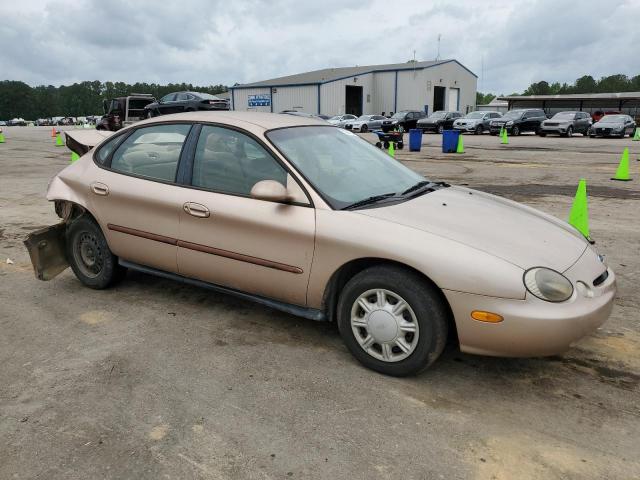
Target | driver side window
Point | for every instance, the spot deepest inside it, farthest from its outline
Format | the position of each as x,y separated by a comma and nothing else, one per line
228,161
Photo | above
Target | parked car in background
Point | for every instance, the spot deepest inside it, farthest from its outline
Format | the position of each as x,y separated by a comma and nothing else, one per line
518,121
405,119
364,123
438,121
3,123
341,120
65,121
17,122
120,112
598,114
178,102
475,122
613,126
43,122
313,220
566,124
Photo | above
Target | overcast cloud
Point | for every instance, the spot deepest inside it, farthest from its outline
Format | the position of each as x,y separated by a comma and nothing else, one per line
208,41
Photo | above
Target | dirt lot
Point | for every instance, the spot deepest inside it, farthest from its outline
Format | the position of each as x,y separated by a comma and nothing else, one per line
154,379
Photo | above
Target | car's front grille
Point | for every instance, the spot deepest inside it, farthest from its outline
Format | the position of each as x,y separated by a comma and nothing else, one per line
600,280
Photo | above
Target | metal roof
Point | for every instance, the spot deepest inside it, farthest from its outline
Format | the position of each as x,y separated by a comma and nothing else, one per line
577,96
327,75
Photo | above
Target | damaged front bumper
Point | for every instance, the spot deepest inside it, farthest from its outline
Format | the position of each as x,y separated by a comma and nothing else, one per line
47,250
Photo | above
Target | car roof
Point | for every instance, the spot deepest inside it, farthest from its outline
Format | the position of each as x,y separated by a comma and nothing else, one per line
247,120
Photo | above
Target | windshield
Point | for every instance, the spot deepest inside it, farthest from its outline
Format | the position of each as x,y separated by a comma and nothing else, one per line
337,117
399,115
342,167
513,114
363,117
564,116
438,115
474,115
613,119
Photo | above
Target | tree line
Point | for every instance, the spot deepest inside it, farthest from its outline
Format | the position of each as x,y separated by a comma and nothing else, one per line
584,84
19,100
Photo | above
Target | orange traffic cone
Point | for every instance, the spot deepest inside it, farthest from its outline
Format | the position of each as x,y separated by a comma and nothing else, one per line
53,132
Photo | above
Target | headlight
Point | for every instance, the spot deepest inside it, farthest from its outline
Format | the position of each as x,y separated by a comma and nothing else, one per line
547,284
509,123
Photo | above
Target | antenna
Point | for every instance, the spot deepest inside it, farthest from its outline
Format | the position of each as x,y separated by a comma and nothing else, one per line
438,55
482,74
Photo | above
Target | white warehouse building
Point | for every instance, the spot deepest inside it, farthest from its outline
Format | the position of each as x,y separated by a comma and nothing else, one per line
362,90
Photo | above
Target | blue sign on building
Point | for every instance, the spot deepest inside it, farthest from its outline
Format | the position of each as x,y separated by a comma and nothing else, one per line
262,100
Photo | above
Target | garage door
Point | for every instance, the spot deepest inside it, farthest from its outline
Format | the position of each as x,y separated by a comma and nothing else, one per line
454,99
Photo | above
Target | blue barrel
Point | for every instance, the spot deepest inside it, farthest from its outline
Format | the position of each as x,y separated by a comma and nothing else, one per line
450,141
415,139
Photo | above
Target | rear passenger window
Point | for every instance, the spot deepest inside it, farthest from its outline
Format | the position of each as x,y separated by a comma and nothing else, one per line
152,152
228,161
105,150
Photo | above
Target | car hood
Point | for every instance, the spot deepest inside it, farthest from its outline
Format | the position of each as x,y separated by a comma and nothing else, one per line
505,229
468,121
429,120
608,124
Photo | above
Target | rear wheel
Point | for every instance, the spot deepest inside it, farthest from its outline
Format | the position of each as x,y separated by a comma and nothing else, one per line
89,256
392,320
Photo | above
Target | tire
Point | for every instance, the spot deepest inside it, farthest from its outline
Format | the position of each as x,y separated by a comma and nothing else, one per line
149,114
542,134
426,314
379,144
515,131
386,145
400,145
569,132
493,134
478,130
440,129
364,128
89,256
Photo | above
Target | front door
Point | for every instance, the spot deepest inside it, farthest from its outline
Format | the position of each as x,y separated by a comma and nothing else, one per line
136,198
438,98
353,100
230,239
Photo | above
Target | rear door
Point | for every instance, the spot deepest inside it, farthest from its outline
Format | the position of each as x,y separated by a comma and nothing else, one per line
229,238
135,195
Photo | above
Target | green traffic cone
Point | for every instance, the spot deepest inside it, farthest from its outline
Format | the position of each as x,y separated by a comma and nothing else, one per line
505,138
636,135
59,142
1,137
622,173
392,150
74,157
579,215
460,147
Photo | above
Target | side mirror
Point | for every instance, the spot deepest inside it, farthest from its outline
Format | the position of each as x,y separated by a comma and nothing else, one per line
270,190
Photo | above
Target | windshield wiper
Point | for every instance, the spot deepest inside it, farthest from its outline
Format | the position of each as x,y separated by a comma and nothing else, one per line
369,200
417,186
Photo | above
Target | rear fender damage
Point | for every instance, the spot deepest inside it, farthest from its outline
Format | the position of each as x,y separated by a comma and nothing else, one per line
47,246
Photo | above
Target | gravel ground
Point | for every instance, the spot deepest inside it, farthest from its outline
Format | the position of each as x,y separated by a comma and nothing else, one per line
154,379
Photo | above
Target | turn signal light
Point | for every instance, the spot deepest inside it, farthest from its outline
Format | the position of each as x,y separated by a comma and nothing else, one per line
486,316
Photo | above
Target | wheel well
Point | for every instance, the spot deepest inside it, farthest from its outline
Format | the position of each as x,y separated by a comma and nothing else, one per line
347,271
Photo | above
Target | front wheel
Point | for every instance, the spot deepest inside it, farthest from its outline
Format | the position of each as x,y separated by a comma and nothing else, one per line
478,130
569,132
515,131
149,114
89,256
440,129
392,320
364,128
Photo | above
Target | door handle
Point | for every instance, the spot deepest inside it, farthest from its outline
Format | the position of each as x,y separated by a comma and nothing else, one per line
196,210
99,188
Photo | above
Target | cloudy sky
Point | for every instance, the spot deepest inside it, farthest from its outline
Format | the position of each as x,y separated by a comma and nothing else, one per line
209,41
